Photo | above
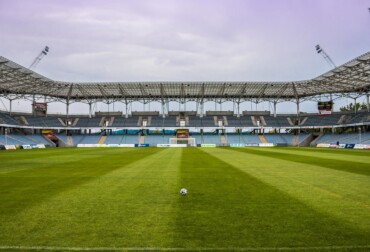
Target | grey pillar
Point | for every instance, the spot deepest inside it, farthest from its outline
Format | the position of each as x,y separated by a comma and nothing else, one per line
126,115
297,107
90,112
368,103
201,109
163,109
275,108
67,108
10,107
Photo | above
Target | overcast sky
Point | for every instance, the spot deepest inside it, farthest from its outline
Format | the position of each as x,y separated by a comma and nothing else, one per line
183,40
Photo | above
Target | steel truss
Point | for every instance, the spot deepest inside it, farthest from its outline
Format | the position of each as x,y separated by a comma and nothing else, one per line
351,80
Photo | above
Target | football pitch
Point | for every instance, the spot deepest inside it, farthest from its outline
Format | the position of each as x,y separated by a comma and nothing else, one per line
241,199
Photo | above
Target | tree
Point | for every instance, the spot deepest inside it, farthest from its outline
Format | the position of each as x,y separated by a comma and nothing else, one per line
353,107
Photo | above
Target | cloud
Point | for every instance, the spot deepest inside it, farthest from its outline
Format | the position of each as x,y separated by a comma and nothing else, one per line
163,40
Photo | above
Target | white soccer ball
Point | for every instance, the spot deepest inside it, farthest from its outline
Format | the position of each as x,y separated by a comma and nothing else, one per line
183,191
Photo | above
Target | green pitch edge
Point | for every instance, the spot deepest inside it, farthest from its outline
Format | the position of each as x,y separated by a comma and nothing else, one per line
343,195
40,178
119,199
352,166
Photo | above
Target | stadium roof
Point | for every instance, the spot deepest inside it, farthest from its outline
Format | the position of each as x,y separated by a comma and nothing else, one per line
350,78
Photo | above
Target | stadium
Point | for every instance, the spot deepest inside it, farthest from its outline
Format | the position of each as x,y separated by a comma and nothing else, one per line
180,165
191,128
145,189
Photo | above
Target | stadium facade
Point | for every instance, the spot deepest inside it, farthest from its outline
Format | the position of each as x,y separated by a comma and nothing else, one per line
351,80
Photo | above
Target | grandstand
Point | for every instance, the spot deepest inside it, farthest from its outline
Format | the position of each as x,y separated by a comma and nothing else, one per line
220,128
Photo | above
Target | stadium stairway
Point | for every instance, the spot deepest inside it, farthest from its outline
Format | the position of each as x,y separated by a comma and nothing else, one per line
102,139
316,140
141,139
295,140
262,138
254,121
13,137
223,140
69,141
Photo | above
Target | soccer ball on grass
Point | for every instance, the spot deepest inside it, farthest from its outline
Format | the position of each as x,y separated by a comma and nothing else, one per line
183,191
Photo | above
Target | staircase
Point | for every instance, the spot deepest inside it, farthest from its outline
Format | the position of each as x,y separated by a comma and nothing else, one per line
223,140
102,139
226,123
61,121
262,138
75,122
342,119
254,121
102,122
295,140
141,139
149,121
313,143
186,120
111,121
140,121
69,141
215,119
262,120
303,121
23,120
290,121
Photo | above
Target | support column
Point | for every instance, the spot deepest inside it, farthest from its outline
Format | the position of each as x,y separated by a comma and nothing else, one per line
33,105
163,109
368,103
275,102
90,110
126,114
238,112
10,106
298,107
355,99
67,108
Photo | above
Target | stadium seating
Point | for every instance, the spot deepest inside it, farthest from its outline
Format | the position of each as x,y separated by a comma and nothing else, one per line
17,139
114,139
346,138
234,139
5,118
192,120
211,139
251,139
153,140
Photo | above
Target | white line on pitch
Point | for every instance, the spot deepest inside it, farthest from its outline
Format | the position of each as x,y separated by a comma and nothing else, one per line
180,249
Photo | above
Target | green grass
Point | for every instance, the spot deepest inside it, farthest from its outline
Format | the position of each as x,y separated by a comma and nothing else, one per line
238,198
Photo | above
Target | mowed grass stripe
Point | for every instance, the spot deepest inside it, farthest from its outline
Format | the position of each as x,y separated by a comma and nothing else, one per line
228,208
131,206
345,196
339,152
334,155
347,166
13,161
24,188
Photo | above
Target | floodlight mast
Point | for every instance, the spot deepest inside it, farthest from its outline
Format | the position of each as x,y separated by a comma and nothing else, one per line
42,54
321,51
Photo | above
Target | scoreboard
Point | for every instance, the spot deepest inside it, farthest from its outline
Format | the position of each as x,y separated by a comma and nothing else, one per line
325,108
